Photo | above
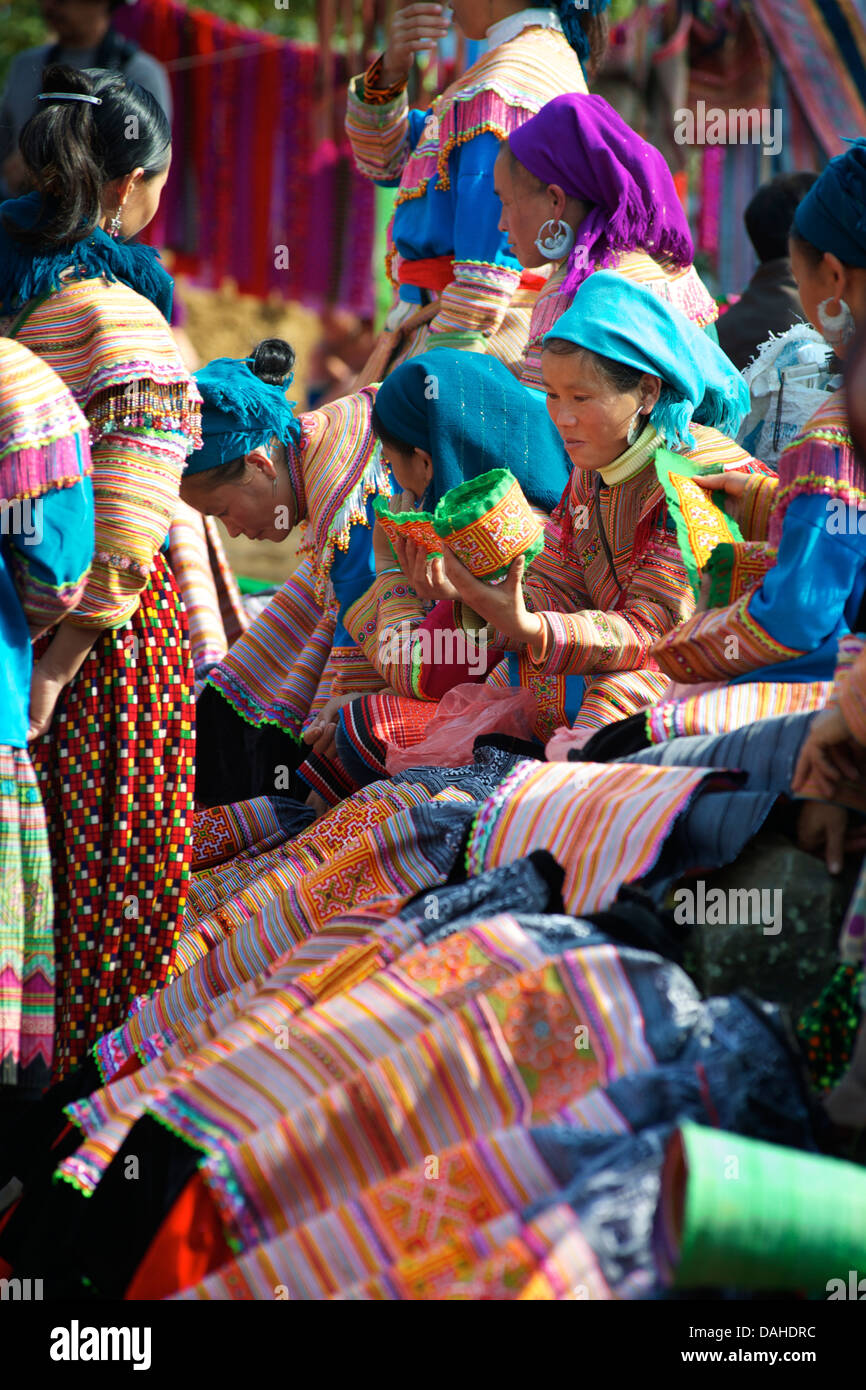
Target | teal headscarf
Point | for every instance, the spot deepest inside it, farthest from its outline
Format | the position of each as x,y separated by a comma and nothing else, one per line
240,412
629,324
471,414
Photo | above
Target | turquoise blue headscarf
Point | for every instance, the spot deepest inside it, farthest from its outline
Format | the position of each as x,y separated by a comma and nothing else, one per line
627,323
240,412
471,414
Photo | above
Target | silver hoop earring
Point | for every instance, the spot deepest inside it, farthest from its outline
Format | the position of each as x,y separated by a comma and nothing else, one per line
634,428
114,225
839,328
555,239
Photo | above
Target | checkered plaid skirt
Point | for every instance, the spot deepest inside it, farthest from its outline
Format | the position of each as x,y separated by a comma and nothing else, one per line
116,771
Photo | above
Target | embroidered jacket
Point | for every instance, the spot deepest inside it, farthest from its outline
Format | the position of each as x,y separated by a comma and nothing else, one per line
788,627
442,161
595,623
114,351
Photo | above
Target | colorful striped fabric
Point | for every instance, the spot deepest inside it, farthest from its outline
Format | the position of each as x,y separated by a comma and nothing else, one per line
26,936
605,823
733,707
276,672
43,434
114,351
498,93
207,585
727,642
221,832
683,288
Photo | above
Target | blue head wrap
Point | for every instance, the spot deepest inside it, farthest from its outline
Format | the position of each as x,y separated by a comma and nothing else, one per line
471,414
615,318
240,412
832,216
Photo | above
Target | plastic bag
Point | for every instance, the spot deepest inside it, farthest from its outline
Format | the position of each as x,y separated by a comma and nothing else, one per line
788,381
465,714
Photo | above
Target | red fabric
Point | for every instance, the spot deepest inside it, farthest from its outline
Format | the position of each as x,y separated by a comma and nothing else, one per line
435,273
466,713
438,677
189,1245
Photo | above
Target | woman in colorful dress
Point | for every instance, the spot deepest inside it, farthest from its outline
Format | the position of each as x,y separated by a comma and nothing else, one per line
625,375
46,545
781,635
111,711
583,192
458,283
262,469
441,420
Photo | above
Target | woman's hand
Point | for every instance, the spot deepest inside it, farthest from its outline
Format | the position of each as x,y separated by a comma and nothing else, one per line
383,555
828,756
821,826
502,604
732,484
426,576
321,735
414,29
46,687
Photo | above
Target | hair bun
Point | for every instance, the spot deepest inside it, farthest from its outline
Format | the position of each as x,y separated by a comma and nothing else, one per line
59,78
273,360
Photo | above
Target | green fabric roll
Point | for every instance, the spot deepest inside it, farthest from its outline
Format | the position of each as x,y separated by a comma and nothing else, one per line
696,536
740,1212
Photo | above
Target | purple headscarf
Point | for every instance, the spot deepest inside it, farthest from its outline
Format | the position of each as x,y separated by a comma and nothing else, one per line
579,142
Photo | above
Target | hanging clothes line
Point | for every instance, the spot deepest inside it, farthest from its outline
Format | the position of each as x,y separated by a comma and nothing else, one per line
263,188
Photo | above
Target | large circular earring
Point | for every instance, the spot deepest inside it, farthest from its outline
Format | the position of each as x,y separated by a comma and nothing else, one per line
555,239
838,328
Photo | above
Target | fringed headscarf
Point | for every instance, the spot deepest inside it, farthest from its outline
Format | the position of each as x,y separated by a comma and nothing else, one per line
579,142
240,412
629,324
27,271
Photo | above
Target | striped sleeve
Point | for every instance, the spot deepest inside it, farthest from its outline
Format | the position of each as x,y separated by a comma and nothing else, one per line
378,134
136,478
657,597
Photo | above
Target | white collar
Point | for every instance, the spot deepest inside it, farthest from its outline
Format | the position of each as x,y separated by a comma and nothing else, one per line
513,24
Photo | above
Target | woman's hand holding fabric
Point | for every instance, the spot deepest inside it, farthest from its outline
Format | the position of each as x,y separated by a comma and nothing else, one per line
501,605
828,756
414,29
321,735
426,576
732,484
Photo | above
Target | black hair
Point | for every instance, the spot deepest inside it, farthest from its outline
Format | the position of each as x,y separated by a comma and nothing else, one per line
385,437
812,253
272,360
73,148
596,30
621,377
770,213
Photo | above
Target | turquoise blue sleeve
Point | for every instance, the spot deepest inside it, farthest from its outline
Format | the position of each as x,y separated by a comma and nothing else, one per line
802,600
55,544
352,573
476,217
